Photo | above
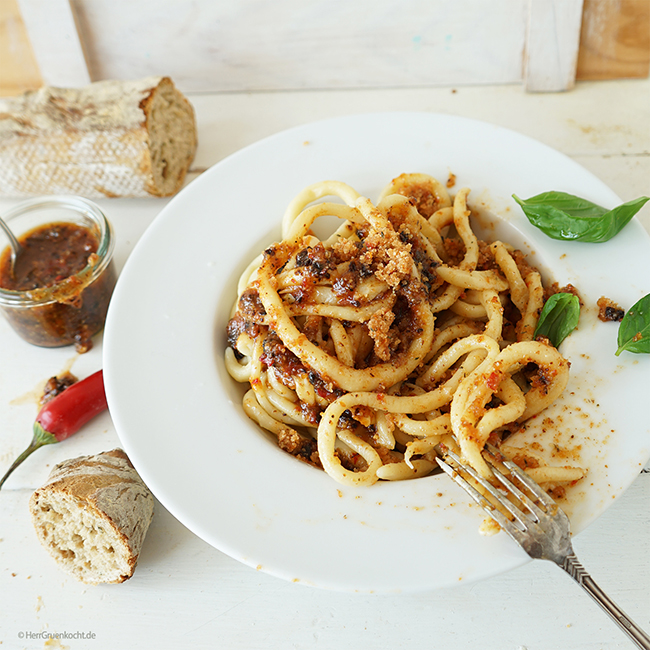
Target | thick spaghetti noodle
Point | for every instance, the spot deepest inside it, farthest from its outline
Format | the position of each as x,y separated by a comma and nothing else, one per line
366,349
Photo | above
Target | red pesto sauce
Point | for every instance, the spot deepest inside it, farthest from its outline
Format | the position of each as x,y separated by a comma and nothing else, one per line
51,253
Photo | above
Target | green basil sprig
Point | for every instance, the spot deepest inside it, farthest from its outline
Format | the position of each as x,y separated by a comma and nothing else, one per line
559,317
634,330
570,218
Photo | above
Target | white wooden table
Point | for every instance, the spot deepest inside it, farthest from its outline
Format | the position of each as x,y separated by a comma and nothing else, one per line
185,593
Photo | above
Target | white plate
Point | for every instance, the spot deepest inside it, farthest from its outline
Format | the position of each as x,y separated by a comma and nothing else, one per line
178,413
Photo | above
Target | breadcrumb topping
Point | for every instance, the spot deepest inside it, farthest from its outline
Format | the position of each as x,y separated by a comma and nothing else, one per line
378,328
390,255
608,310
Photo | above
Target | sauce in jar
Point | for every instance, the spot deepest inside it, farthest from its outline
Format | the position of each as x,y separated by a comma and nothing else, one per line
50,254
54,270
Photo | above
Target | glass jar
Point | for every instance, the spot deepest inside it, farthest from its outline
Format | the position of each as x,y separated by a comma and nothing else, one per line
72,309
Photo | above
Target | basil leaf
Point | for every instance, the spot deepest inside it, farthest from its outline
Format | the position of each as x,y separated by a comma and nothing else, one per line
634,330
558,318
569,218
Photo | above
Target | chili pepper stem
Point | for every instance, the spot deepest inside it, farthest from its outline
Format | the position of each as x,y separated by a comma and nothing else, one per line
40,439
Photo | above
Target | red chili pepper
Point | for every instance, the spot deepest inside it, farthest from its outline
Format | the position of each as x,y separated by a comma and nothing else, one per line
65,414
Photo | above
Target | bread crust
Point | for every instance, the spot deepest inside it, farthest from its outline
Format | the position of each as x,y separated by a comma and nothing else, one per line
92,515
103,140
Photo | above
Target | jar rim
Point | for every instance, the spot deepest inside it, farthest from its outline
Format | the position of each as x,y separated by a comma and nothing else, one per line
81,205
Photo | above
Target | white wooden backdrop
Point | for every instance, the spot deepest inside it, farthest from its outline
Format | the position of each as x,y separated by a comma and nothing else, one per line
261,45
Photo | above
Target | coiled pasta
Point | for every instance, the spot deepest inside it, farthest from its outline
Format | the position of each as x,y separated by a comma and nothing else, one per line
401,330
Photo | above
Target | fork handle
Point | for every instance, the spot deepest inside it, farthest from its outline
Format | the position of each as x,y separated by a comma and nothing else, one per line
573,567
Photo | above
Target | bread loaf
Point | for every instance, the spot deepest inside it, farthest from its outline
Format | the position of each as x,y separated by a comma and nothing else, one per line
108,139
92,515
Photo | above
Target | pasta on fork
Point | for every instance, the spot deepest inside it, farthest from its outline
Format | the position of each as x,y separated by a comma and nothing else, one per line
401,330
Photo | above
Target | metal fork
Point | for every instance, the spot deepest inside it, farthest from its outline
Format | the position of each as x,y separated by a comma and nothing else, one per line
535,522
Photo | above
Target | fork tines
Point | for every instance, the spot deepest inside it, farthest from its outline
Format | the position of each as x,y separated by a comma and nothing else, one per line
505,506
